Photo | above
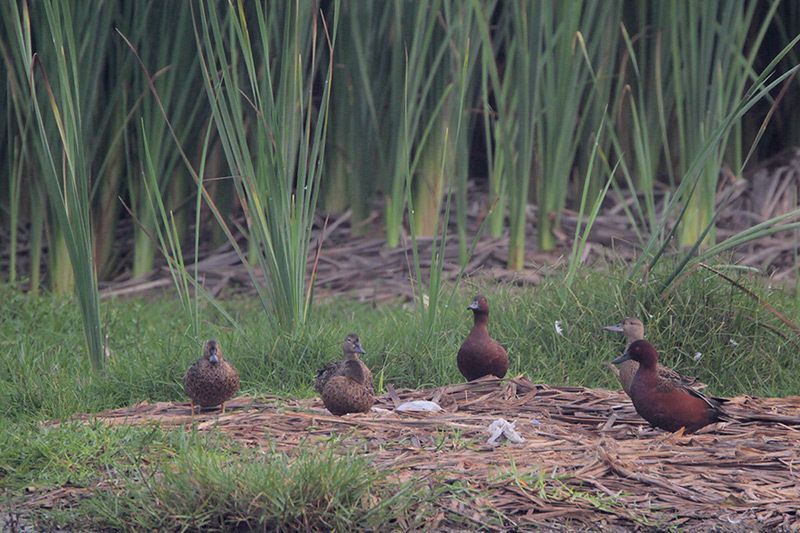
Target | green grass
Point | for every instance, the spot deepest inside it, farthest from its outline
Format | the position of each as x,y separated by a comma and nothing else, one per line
174,479
212,490
44,373
74,453
149,479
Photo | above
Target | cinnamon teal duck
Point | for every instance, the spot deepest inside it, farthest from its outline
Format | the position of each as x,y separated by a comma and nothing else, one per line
480,355
625,371
346,386
211,380
663,402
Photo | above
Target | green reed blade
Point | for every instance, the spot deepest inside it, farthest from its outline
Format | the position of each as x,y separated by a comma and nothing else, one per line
67,183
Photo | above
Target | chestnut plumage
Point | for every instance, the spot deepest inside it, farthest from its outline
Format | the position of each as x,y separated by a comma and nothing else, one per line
662,402
480,355
633,329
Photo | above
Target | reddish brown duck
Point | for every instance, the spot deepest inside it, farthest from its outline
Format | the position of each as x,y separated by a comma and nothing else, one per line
662,402
211,380
480,355
346,386
634,331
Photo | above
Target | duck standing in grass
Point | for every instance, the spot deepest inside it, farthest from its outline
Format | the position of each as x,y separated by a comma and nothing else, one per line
346,386
625,371
480,355
663,402
211,380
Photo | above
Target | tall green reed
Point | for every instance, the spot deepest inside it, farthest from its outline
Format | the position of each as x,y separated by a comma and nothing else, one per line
512,108
787,23
259,68
468,22
675,210
66,178
13,148
565,82
580,238
416,97
26,199
602,55
167,235
713,47
356,156
429,296
641,120
176,73
444,159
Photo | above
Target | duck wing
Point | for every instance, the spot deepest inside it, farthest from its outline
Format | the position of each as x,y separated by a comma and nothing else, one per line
343,395
713,402
670,374
669,385
191,375
326,373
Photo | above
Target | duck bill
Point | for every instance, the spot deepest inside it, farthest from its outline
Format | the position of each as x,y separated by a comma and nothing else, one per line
622,358
213,359
616,328
473,306
359,349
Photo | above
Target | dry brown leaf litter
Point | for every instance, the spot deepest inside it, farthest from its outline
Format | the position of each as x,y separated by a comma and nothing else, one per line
588,459
357,262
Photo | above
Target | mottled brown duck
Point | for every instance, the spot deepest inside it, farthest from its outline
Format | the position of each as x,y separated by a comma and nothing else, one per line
211,380
663,402
346,386
480,355
633,329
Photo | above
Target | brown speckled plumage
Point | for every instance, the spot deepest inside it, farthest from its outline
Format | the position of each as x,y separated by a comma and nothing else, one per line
663,402
480,355
346,386
625,371
211,380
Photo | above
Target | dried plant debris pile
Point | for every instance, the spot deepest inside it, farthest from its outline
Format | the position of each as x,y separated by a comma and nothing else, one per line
356,261
587,458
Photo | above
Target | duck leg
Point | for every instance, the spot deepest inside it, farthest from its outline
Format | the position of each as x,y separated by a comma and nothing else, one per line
223,408
192,411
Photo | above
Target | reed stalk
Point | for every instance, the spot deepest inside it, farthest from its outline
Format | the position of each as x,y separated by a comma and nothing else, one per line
581,237
713,46
259,68
675,210
176,79
415,99
65,166
14,146
167,237
444,169
565,82
515,110
364,120
429,297
642,124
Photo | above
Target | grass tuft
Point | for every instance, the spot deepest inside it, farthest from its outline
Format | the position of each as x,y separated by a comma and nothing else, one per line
317,490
